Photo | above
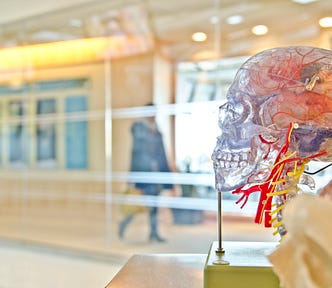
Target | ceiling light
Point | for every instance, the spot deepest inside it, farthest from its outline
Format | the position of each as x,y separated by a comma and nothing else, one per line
259,30
235,19
214,19
199,37
325,22
304,1
75,22
72,52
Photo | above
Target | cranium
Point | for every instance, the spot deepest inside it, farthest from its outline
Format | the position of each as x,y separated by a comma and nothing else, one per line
271,90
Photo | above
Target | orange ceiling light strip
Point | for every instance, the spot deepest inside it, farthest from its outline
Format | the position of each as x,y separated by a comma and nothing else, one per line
72,52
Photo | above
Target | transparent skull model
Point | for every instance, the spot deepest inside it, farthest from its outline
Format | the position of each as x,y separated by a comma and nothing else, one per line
278,116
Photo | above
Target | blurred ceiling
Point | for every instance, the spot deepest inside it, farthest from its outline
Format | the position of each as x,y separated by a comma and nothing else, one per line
170,23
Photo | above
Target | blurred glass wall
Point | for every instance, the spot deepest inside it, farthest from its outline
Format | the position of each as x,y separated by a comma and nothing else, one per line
72,83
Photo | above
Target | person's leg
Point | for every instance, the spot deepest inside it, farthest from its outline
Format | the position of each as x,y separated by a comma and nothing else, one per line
123,224
154,235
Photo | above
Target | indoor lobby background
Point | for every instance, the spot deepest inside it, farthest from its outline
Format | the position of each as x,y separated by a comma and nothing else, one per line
74,76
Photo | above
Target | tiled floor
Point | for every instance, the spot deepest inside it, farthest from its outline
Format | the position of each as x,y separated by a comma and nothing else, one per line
72,244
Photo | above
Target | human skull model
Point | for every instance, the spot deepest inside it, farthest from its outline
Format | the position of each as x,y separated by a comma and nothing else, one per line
271,90
278,116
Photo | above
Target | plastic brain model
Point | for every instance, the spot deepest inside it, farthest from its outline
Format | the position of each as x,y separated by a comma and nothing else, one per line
278,116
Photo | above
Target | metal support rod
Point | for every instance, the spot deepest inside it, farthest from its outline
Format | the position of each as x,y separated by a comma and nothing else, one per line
219,249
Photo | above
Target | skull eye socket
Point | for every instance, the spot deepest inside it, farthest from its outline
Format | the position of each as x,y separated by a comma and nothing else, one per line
232,113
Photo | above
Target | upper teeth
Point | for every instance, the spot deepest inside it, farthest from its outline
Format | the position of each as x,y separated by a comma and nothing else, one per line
232,160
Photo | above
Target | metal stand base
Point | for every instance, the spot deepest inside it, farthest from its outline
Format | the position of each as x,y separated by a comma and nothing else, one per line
242,265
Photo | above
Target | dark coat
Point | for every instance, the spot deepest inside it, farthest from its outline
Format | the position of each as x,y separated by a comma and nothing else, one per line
148,155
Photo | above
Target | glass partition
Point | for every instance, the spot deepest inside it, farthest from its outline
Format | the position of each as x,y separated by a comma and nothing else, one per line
74,89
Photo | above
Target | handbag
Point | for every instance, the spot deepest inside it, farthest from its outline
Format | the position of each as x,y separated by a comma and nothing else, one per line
130,209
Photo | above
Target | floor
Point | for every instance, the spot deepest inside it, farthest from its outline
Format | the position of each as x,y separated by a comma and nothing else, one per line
30,266
73,244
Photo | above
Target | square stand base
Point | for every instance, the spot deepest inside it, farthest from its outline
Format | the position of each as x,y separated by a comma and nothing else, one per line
242,265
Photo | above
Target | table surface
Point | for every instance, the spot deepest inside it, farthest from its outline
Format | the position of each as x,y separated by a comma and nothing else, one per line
161,271
186,270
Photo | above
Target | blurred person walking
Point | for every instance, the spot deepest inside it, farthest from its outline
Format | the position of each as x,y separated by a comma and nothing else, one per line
147,155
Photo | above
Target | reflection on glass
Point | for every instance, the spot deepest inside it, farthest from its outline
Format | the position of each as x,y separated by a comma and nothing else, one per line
76,135
1,135
46,134
18,147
